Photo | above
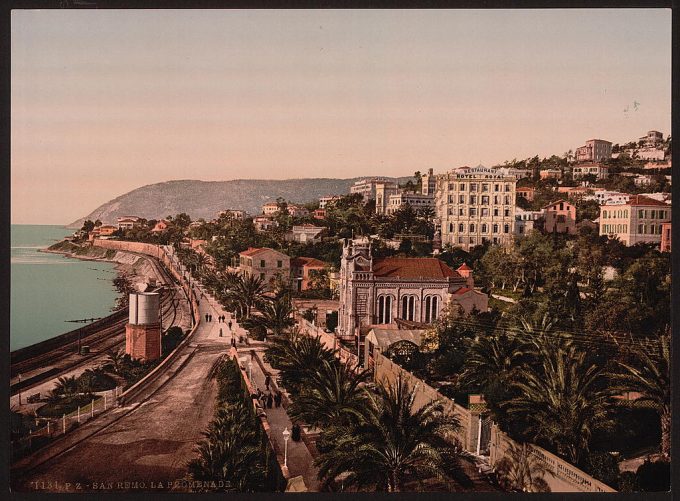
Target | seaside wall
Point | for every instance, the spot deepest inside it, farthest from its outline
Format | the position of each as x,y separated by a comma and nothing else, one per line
561,476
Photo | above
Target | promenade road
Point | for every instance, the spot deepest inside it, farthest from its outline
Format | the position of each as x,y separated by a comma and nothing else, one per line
149,440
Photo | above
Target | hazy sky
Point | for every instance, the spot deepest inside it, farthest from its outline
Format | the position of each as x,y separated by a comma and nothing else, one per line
106,101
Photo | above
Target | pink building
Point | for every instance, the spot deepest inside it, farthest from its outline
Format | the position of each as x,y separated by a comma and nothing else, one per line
302,269
594,150
560,217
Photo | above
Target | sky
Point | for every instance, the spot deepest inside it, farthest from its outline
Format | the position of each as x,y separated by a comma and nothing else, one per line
106,101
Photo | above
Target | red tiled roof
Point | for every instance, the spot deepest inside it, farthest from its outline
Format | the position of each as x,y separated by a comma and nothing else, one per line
306,261
412,267
462,290
252,251
464,267
641,200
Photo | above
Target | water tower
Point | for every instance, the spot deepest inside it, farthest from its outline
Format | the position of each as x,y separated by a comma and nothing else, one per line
143,330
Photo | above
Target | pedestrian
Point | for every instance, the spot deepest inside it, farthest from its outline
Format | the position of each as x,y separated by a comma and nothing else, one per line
220,332
270,400
206,317
229,324
267,380
240,339
233,341
277,399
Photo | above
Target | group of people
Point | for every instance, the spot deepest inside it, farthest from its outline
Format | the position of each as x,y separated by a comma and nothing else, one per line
269,399
220,319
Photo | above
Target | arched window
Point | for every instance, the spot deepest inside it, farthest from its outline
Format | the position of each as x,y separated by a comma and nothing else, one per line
484,228
384,309
431,308
408,307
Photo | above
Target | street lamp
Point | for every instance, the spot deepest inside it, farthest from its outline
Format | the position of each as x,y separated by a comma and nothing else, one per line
19,389
286,436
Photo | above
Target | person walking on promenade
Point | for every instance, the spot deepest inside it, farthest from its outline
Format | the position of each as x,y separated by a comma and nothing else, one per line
206,317
277,399
267,381
229,324
233,341
220,332
270,400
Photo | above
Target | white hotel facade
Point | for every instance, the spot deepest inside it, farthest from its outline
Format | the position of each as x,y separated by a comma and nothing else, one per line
474,205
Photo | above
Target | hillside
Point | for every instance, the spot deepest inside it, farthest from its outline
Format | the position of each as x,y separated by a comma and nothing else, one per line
204,199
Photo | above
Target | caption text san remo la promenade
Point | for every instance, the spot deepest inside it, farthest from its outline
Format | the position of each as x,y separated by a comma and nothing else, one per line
480,328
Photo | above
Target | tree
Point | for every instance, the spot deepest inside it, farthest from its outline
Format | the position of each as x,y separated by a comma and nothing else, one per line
563,399
246,291
648,372
87,226
66,386
394,444
297,357
276,315
115,359
230,452
332,395
491,359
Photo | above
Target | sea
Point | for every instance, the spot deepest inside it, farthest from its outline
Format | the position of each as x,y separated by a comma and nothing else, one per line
48,290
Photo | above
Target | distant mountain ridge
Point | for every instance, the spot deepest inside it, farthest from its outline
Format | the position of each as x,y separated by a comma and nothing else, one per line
204,199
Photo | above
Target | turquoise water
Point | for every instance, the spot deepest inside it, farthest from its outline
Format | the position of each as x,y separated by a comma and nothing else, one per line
49,289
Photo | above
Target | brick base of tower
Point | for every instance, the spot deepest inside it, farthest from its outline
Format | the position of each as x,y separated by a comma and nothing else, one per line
143,342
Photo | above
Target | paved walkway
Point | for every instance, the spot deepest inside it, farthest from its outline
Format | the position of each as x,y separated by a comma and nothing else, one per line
299,458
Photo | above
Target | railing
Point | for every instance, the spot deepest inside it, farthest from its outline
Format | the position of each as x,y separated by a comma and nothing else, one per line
48,429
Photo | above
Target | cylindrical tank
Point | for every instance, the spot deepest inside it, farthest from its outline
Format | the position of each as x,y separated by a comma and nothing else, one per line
144,308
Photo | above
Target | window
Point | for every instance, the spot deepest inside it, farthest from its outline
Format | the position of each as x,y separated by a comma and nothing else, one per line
462,186
641,229
461,228
262,263
653,215
473,186
604,214
279,264
506,212
451,187
461,199
384,309
496,187
262,276
484,228
485,211
496,200
450,199
450,227
641,214
473,199
431,308
495,212
561,205
507,187
485,187
473,211
408,308
495,228
461,211
472,228
506,199
460,240
485,200
450,211
506,228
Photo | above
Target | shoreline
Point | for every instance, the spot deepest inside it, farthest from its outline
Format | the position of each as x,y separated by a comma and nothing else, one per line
127,268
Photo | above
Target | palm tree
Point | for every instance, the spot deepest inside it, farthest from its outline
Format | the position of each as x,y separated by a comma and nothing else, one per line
230,452
332,395
394,444
276,315
519,470
491,359
648,373
66,385
562,400
115,359
247,292
297,357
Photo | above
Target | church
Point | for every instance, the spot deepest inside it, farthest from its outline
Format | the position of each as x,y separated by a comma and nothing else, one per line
387,291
